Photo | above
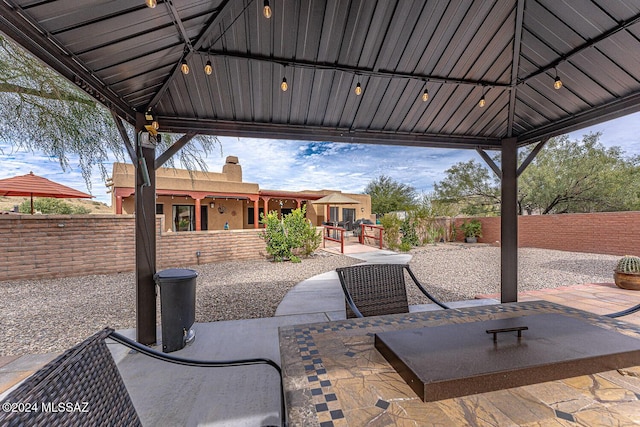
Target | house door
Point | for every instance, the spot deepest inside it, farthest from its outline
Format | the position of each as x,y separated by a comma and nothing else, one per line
349,217
333,214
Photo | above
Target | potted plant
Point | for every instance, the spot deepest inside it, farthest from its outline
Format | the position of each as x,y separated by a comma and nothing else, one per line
627,273
471,230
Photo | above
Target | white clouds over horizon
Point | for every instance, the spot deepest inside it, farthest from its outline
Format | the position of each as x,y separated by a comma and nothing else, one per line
304,165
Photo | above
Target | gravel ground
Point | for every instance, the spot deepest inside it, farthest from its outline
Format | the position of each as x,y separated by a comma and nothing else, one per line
455,272
41,316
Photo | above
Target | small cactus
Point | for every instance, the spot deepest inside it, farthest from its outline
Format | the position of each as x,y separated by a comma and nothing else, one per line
628,264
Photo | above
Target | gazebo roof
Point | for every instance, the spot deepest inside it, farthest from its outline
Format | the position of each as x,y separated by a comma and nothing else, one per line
128,56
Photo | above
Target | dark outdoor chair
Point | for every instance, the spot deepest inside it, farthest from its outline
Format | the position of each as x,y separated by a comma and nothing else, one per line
88,373
377,289
632,310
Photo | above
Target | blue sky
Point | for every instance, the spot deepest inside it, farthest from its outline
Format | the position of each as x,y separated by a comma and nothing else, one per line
299,165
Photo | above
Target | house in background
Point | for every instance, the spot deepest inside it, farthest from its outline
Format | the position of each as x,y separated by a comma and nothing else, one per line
195,201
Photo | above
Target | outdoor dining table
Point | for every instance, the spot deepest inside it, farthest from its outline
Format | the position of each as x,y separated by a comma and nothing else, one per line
335,374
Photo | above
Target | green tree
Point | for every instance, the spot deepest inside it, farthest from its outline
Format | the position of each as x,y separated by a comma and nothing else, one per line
388,195
565,177
572,176
470,187
42,111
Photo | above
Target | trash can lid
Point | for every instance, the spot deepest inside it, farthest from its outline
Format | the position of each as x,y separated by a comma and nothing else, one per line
176,273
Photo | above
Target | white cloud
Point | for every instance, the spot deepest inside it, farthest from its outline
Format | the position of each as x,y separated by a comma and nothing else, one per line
303,165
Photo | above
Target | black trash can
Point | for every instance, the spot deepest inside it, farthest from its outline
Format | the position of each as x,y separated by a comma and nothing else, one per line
177,307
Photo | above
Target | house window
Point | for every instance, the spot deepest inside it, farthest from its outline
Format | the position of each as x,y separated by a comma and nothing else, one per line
184,217
250,212
159,209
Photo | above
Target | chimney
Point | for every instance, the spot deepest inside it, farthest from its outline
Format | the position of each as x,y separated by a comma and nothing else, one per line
232,169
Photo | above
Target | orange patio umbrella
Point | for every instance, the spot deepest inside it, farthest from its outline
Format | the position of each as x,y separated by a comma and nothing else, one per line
33,185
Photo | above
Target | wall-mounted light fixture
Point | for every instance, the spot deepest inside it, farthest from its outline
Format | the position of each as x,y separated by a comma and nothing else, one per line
212,205
361,209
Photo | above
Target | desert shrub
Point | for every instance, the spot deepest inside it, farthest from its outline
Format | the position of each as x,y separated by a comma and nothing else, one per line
52,206
391,234
409,233
290,235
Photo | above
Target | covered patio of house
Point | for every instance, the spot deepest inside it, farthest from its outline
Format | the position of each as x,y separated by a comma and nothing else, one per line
484,75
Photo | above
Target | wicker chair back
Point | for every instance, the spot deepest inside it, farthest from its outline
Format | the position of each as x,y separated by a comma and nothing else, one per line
81,387
375,289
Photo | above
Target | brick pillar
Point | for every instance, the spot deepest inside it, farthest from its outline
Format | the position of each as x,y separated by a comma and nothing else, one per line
198,215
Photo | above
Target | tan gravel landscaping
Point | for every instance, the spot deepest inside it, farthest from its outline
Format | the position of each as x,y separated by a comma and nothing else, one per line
41,316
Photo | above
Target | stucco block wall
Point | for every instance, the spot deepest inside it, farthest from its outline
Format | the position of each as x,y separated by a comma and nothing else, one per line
179,249
51,246
35,246
612,233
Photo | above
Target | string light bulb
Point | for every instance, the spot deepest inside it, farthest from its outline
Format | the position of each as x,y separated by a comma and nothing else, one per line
557,83
284,86
184,67
208,69
358,90
482,102
151,3
155,125
266,10
425,96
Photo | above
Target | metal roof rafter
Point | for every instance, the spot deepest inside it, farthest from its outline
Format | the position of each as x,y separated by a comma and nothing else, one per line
612,110
193,48
319,133
563,58
515,64
368,72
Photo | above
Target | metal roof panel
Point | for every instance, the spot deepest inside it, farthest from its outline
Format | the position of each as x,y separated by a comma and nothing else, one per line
458,49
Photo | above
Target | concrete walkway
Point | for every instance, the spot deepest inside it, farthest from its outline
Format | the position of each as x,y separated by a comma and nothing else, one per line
323,293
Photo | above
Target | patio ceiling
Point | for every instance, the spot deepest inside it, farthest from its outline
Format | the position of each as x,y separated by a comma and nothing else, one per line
128,56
